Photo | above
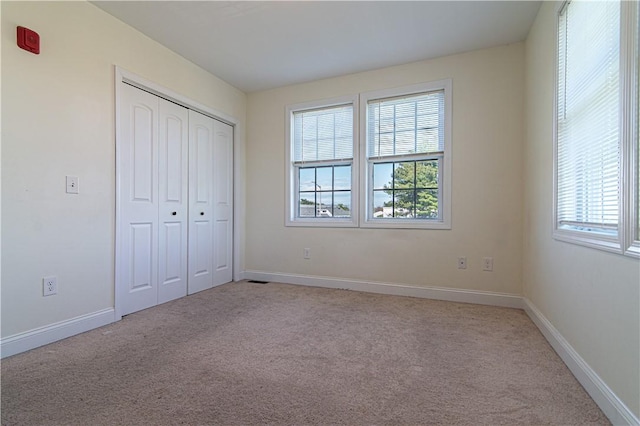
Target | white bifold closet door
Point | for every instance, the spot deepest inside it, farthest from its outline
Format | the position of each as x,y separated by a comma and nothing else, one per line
210,202
223,203
153,165
175,171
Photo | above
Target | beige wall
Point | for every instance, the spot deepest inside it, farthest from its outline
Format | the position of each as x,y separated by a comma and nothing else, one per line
57,120
487,202
591,297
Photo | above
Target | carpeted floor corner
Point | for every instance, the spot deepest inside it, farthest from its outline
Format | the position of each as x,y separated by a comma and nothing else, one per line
243,354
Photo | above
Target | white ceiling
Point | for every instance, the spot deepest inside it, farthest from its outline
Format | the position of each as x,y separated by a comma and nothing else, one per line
258,45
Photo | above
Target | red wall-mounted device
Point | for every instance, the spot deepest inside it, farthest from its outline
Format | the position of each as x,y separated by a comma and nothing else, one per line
28,40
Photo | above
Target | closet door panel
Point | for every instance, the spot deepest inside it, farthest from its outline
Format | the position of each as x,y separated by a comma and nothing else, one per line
138,170
173,148
201,136
223,202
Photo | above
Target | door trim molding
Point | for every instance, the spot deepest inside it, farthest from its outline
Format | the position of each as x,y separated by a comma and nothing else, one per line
127,77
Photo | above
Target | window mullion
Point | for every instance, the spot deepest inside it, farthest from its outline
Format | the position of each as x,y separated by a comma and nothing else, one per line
415,127
393,184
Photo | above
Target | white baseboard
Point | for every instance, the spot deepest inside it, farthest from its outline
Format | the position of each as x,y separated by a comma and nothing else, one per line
438,293
617,412
41,336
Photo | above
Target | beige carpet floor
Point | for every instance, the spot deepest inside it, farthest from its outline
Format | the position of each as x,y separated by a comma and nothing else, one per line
288,355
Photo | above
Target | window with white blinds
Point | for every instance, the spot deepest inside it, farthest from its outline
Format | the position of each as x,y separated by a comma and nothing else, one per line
406,178
588,148
321,164
323,134
594,123
406,125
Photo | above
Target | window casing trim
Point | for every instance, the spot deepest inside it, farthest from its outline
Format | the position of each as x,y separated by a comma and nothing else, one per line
366,173
292,167
630,122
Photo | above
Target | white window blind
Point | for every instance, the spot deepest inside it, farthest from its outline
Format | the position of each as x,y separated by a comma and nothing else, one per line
588,140
406,125
323,134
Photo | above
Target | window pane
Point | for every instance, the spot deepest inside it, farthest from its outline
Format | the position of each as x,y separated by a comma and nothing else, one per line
404,175
382,175
342,204
324,178
427,174
427,203
307,178
428,140
323,200
382,204
405,142
325,211
404,203
386,146
342,178
307,204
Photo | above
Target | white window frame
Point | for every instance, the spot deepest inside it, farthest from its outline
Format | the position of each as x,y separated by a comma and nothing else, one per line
630,161
366,170
291,181
626,241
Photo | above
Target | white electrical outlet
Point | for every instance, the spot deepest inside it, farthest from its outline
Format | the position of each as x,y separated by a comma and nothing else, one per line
462,262
306,253
49,286
73,185
487,264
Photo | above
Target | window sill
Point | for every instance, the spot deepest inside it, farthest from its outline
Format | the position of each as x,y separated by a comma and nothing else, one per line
609,244
633,250
404,224
322,223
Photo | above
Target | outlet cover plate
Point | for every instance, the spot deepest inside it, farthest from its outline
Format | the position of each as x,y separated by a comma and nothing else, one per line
487,264
49,286
462,262
72,185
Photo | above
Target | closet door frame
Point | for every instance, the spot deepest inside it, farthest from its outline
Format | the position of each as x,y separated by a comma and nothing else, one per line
123,76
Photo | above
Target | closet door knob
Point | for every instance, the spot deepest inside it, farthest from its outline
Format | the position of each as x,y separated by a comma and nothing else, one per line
201,213
174,213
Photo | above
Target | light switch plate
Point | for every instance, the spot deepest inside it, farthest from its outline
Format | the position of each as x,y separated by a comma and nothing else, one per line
73,185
